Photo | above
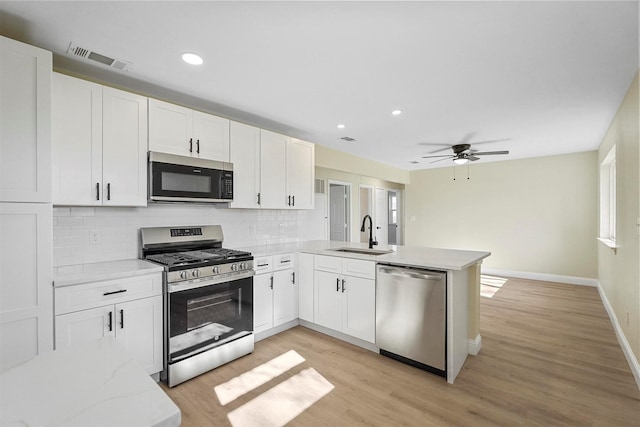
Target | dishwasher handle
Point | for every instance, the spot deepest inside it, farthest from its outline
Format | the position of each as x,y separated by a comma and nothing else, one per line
409,273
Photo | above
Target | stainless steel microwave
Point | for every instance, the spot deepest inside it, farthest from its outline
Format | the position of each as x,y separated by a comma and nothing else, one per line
187,179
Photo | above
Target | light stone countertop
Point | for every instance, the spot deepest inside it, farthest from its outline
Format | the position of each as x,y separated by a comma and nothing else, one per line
99,271
96,384
423,257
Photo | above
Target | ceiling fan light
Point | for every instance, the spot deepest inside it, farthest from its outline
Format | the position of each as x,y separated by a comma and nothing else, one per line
460,161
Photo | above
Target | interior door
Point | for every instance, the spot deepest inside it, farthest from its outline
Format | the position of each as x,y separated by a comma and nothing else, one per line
393,217
380,216
337,209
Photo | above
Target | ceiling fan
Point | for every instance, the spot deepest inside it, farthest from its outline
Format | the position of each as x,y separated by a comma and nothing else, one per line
462,153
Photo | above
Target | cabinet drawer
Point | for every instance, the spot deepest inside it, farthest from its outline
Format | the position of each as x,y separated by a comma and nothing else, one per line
89,295
359,268
283,261
263,264
328,263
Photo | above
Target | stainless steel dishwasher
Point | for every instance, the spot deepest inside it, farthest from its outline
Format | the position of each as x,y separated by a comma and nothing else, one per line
411,316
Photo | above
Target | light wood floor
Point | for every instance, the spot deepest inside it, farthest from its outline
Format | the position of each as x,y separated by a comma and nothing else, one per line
549,357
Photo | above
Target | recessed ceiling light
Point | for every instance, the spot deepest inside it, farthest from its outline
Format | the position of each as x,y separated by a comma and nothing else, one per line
192,58
341,126
396,112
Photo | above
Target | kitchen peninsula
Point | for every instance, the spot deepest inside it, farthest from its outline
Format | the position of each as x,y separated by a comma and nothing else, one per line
462,268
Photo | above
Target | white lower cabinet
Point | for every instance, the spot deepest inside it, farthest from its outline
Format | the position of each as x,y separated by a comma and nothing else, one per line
345,296
274,292
129,309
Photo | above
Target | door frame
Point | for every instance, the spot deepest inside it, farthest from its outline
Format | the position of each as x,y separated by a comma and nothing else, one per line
348,206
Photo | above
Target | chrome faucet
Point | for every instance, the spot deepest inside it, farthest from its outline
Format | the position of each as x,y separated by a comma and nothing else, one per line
371,241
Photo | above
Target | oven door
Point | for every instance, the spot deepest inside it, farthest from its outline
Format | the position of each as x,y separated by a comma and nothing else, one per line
179,178
207,316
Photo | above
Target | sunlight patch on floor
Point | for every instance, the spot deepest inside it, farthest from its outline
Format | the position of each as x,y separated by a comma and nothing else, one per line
281,403
489,285
250,380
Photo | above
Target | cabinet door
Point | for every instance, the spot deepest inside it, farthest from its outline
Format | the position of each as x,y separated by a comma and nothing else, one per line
284,296
262,302
124,148
25,122
328,300
305,287
170,128
273,151
85,326
300,173
138,326
211,135
77,141
245,156
26,294
359,308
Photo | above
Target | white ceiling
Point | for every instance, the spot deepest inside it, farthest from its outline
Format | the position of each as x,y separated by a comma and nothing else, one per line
542,78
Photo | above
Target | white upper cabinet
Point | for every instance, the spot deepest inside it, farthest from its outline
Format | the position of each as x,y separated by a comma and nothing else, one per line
271,170
99,145
25,122
245,156
178,130
273,177
301,173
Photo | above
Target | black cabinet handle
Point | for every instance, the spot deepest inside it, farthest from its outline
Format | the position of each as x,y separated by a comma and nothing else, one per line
97,191
293,199
191,145
271,280
109,191
110,321
293,277
121,319
289,201
342,285
258,198
263,265
338,284
198,146
114,292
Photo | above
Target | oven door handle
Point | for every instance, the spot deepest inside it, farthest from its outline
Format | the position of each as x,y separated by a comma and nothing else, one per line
223,278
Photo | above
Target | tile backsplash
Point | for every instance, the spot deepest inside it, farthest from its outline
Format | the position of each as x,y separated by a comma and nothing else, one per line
87,234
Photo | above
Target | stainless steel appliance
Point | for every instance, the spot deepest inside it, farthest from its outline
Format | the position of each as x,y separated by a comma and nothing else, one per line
411,316
187,179
208,299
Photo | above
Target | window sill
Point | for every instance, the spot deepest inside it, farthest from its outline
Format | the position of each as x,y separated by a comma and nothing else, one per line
610,243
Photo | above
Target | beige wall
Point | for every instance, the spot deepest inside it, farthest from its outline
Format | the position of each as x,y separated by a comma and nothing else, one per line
340,161
618,272
355,179
534,215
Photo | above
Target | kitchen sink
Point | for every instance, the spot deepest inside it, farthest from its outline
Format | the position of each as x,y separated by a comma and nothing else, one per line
363,251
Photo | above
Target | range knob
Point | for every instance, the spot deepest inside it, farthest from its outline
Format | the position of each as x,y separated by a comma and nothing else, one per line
184,274
216,270
195,273
234,267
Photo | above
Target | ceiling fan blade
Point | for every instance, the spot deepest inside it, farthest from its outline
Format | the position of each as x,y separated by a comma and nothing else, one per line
487,141
489,153
473,158
448,147
466,138
442,155
439,160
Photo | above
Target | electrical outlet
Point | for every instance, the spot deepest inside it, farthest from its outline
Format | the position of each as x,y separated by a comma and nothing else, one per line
95,237
252,230
413,218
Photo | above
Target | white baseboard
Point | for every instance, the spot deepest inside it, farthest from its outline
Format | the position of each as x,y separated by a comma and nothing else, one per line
572,280
622,340
269,332
475,345
339,335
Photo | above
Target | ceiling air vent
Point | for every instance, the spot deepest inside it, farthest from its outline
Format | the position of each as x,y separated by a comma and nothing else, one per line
84,53
347,138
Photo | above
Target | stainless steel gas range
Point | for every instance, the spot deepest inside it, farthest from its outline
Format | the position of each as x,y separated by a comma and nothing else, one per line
208,299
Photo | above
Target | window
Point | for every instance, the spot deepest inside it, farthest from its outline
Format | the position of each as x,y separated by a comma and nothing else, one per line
608,199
